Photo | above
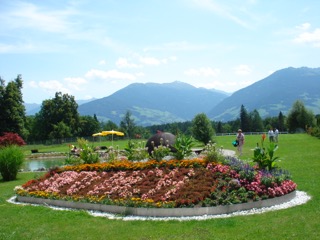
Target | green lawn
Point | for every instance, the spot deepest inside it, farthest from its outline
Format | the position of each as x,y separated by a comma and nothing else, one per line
299,153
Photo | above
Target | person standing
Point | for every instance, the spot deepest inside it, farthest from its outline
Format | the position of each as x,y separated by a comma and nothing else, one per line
240,139
276,134
271,135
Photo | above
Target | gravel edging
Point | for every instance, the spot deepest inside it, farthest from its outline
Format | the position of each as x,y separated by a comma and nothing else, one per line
181,214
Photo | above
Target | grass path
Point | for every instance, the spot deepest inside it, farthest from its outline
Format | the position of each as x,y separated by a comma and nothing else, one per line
299,153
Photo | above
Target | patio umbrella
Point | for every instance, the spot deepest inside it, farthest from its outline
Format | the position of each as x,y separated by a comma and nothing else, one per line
96,134
112,132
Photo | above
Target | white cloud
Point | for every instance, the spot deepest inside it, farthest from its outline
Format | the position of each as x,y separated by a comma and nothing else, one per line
30,16
75,83
204,72
242,69
94,73
308,36
225,11
123,63
102,62
53,86
150,61
304,26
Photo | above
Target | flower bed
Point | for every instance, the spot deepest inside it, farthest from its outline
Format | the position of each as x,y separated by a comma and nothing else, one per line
164,184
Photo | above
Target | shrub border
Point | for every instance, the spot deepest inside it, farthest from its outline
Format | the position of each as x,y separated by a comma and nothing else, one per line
160,212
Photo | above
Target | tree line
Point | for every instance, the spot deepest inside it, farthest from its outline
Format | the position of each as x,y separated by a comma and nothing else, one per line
59,118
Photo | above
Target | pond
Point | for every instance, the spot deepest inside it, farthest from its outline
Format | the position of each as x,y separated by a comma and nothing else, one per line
42,163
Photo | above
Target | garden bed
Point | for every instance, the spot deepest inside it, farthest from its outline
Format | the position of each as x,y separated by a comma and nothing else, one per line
161,188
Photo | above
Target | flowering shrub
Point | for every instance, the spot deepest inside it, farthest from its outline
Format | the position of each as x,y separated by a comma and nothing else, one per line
173,183
9,138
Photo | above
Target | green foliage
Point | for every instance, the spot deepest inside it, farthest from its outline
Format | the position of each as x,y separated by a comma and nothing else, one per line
136,151
57,117
160,152
211,153
11,107
244,119
299,117
265,157
87,153
202,129
11,160
73,160
89,125
128,124
182,145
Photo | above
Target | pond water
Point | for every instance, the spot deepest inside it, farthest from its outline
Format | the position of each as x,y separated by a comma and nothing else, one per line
42,163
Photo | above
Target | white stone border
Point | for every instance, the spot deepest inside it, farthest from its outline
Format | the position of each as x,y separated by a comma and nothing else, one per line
164,214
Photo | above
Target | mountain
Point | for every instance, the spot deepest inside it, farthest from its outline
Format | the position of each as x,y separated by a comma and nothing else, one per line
33,108
154,103
273,94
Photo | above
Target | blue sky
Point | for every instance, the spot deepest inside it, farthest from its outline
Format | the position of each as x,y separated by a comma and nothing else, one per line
94,48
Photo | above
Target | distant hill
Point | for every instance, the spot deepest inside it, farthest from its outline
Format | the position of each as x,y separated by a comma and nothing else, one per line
154,103
273,94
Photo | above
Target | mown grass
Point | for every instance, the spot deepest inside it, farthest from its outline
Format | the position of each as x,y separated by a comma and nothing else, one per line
300,154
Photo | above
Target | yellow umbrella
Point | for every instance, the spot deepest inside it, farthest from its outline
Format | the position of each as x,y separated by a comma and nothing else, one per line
96,134
112,132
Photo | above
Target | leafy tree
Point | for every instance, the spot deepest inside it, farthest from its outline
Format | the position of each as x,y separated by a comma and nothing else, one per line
281,122
299,117
11,106
88,125
256,121
202,129
109,125
60,130
128,124
61,109
219,127
244,119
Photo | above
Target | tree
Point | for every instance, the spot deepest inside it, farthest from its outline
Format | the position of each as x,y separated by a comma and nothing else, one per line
128,124
13,118
219,127
109,125
244,119
61,109
202,129
256,121
88,125
299,118
281,122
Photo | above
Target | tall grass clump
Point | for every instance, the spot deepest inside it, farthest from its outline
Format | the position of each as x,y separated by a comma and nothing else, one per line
11,160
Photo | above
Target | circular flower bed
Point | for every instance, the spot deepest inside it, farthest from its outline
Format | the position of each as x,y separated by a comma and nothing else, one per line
164,184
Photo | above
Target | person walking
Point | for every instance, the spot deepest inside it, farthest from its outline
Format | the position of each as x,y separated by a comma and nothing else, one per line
276,134
271,135
240,139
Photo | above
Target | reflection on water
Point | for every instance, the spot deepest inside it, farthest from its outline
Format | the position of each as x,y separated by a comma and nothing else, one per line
44,163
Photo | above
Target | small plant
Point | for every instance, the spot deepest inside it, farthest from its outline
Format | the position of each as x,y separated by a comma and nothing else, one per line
265,157
87,153
183,145
72,160
11,160
136,153
211,153
161,151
